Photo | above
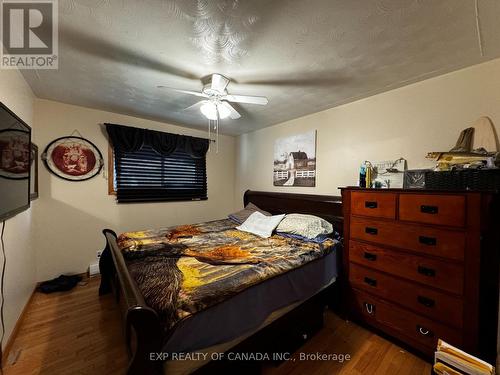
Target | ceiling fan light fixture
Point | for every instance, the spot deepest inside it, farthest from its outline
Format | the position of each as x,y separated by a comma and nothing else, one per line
209,109
224,112
217,103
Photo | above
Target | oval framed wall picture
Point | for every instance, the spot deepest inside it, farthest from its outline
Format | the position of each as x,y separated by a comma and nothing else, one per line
73,158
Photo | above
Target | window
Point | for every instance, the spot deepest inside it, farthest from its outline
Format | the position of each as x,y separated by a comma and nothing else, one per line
145,175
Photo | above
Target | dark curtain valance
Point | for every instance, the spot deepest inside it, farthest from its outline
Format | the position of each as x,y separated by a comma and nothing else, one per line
129,139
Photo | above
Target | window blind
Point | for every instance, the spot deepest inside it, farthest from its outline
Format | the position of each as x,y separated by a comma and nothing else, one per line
147,176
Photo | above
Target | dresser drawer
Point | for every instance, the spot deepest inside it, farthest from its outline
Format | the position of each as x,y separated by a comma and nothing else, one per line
438,274
427,240
425,301
433,209
401,322
374,204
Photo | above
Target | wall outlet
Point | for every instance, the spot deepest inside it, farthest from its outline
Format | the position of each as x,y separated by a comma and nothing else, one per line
99,253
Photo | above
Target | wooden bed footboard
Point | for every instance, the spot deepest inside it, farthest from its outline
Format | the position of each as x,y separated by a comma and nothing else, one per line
143,332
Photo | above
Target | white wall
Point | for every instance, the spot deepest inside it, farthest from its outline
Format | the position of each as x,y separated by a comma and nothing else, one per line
70,215
406,122
20,271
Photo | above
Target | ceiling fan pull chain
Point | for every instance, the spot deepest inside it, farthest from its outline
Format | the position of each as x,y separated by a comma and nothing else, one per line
217,136
209,135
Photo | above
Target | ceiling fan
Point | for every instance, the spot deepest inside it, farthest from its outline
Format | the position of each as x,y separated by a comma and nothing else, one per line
216,104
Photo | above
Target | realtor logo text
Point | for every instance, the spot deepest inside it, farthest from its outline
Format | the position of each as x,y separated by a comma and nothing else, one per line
29,34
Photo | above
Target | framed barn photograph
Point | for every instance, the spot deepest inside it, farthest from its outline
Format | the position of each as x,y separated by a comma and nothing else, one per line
295,160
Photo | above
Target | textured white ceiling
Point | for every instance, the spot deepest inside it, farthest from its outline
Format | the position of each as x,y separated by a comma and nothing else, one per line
304,55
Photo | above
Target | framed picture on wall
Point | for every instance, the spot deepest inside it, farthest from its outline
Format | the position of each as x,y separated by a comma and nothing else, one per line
34,172
73,158
14,154
295,160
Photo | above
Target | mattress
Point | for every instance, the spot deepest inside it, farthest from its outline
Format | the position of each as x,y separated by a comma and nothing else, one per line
209,334
183,271
246,311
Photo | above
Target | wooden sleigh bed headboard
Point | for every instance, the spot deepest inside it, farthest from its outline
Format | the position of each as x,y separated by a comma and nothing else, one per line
141,323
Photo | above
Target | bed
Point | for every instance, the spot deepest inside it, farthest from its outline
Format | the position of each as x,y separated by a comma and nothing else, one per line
183,297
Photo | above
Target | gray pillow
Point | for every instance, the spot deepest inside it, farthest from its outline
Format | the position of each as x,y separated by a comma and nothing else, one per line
308,226
242,215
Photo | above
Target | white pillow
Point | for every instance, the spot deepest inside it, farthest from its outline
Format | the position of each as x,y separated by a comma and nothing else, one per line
308,226
260,224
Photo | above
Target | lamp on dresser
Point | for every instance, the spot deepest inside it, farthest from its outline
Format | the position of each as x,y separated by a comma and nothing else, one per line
422,265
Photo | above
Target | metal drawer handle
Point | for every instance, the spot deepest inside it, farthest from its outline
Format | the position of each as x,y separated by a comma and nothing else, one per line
370,281
370,309
426,271
371,204
432,210
370,230
429,241
370,256
424,331
427,302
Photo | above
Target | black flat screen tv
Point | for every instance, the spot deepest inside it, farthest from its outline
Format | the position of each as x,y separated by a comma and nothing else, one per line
15,163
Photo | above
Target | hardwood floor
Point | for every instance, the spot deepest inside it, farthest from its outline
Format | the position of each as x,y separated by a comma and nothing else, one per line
79,333
70,333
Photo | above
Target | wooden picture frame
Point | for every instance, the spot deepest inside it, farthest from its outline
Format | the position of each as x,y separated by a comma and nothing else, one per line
111,171
34,172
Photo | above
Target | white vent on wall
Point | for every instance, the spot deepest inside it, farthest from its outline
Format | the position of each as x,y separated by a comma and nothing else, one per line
94,269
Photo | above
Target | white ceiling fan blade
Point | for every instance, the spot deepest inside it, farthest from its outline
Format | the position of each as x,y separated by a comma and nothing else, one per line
219,82
233,113
195,106
261,100
189,92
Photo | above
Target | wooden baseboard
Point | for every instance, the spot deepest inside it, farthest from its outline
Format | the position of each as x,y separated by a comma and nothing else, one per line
13,334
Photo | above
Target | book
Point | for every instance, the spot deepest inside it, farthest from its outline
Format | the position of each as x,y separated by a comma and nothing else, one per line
441,369
449,360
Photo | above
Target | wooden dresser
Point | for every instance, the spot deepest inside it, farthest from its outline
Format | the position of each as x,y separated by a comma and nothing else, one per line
421,265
